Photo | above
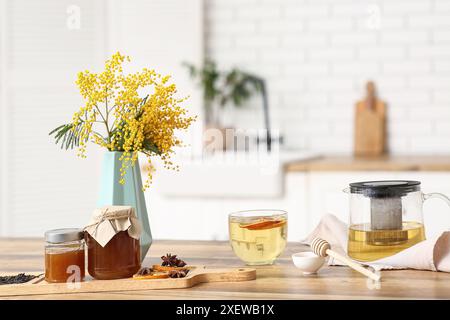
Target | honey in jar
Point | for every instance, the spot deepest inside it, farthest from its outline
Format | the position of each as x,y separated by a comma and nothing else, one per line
64,255
112,239
119,258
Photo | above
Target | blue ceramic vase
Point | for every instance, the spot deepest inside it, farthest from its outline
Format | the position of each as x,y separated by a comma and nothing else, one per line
128,194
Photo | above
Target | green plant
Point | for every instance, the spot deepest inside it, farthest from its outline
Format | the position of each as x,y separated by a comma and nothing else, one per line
221,88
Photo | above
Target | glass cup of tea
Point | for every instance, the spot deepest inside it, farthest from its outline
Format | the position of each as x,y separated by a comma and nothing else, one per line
258,237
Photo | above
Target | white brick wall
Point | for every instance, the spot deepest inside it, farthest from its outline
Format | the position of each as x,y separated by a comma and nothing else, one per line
317,55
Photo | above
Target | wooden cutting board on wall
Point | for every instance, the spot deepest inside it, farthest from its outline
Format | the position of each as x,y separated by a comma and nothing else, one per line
370,125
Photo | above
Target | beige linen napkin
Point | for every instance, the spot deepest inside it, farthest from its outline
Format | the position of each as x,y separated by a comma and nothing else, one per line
431,254
108,221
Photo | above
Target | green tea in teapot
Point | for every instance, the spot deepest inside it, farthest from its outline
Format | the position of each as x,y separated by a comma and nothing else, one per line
385,217
366,244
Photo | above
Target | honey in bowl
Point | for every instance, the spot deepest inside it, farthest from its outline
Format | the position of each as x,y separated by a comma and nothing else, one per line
258,240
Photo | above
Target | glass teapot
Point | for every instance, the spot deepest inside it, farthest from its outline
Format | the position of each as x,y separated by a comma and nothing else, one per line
385,217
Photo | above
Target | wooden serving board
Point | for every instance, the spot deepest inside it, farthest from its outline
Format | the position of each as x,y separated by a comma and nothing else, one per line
196,275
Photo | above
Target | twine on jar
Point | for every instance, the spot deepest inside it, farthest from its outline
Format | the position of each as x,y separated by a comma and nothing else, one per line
108,221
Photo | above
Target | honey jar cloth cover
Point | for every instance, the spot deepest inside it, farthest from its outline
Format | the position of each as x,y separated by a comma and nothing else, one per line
108,221
431,254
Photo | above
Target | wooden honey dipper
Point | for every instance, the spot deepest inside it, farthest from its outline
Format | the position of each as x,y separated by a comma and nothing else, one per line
323,249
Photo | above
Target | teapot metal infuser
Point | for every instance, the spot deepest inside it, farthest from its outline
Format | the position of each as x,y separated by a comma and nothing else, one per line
385,217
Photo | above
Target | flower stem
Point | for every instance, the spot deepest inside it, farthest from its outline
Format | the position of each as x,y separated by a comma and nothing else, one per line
105,122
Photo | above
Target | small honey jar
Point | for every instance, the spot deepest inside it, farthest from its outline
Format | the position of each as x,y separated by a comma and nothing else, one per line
64,255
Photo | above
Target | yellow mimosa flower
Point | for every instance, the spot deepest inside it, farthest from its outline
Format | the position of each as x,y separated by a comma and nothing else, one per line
116,117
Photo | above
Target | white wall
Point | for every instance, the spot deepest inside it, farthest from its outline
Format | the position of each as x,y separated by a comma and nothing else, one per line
317,55
43,187
41,52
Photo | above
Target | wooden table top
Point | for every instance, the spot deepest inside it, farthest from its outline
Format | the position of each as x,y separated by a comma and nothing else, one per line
279,281
384,163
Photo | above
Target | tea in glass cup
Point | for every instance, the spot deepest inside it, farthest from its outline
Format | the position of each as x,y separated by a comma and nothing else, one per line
258,237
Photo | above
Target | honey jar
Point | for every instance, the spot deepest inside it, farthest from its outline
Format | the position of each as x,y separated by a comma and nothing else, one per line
112,239
64,255
119,258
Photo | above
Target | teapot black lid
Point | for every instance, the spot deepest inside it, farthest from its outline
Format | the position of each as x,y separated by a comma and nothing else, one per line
385,188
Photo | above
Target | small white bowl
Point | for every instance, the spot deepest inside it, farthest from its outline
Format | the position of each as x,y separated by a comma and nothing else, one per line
308,262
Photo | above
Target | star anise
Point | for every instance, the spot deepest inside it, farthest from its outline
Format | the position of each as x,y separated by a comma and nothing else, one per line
178,273
170,260
144,271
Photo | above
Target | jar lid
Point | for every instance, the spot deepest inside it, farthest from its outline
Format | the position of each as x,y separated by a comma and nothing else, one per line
385,188
110,220
64,235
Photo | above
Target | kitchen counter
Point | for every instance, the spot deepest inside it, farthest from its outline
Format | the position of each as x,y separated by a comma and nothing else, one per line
280,281
385,163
